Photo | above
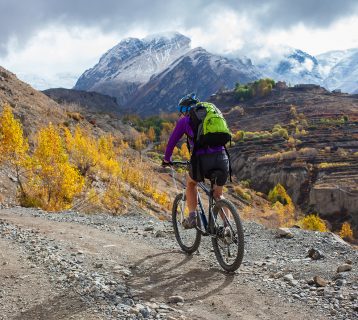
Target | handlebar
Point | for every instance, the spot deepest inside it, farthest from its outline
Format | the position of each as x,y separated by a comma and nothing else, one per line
180,163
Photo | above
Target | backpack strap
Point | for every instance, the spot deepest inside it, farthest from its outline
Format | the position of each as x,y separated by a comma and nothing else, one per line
228,156
188,143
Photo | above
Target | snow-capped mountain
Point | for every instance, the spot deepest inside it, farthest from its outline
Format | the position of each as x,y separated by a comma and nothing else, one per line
154,71
158,69
131,63
340,69
294,67
196,71
332,70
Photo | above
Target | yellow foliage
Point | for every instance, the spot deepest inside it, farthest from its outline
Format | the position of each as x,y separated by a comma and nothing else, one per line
54,181
278,193
161,198
139,141
326,165
239,135
184,151
285,214
112,198
13,146
346,231
82,149
313,222
175,151
242,193
106,146
151,134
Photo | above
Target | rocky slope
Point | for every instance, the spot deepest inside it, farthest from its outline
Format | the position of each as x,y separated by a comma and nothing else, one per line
129,267
131,63
32,107
321,174
87,101
35,110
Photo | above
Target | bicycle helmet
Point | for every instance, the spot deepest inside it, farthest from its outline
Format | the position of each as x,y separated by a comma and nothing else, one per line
187,101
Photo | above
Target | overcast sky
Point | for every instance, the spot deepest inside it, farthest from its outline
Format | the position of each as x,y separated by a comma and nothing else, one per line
49,39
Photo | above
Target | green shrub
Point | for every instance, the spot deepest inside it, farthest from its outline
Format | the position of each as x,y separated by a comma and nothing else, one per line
258,88
278,193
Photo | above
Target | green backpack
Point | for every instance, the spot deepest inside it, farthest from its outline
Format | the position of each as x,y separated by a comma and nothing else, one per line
209,126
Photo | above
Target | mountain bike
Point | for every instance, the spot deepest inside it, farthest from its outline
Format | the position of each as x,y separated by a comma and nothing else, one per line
221,222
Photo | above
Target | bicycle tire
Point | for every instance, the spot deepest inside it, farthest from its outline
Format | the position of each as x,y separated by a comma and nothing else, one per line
239,252
180,232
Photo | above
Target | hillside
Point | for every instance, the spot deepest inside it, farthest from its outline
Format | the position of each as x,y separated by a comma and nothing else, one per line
87,101
317,164
35,111
34,108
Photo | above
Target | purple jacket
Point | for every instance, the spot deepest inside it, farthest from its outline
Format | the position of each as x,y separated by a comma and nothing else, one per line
183,127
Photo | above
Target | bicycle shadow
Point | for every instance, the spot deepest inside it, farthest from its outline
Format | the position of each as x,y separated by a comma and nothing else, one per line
160,277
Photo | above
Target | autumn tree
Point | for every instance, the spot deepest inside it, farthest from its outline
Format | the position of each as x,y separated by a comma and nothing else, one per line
346,231
151,134
54,182
313,222
278,193
184,151
82,148
13,146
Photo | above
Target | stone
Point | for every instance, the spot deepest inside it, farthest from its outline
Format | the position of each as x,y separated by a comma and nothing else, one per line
319,281
315,254
175,299
284,233
288,277
344,267
160,234
145,312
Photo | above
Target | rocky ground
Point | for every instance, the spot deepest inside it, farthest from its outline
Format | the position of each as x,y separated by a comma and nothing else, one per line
72,266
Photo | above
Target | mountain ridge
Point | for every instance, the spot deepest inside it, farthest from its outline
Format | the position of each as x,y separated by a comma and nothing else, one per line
132,71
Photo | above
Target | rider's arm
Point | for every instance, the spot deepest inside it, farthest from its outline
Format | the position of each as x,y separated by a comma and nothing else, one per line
178,132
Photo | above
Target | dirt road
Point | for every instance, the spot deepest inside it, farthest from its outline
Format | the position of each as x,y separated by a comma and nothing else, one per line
127,268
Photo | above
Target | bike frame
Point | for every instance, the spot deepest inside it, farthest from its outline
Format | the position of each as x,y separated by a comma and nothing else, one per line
205,221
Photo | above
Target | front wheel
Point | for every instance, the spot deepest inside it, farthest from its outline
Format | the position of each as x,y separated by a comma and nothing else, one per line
188,239
228,241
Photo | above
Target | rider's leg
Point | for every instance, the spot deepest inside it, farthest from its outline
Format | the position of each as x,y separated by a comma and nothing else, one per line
192,202
191,194
218,192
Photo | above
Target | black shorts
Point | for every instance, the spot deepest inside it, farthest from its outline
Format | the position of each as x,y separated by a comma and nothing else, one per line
201,166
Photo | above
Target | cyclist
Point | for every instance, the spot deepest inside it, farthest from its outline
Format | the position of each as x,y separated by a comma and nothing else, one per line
202,162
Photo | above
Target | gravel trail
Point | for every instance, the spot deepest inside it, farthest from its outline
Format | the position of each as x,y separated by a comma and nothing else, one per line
72,266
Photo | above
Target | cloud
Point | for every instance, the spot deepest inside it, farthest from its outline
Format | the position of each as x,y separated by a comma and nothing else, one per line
21,20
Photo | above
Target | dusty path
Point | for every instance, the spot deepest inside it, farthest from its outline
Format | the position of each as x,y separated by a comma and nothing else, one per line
152,272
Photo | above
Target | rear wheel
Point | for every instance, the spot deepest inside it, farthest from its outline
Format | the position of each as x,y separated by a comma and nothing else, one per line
188,239
228,243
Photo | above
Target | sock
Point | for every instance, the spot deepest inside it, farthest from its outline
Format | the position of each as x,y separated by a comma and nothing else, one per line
192,214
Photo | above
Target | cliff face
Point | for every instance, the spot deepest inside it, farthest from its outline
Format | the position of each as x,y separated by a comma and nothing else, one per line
318,167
